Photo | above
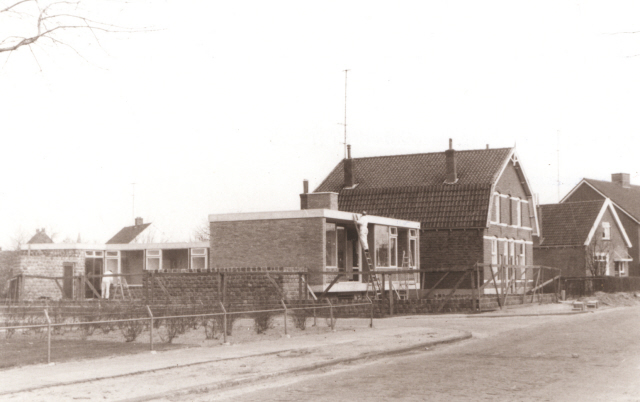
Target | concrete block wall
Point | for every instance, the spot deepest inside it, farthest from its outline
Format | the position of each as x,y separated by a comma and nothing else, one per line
46,263
248,287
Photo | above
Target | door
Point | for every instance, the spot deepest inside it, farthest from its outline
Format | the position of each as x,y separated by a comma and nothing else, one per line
93,271
67,280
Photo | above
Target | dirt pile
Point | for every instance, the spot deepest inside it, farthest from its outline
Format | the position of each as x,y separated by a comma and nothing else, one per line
616,299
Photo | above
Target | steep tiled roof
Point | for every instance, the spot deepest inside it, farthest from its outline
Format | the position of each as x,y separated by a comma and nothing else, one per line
626,198
439,206
40,238
569,223
127,234
473,167
412,187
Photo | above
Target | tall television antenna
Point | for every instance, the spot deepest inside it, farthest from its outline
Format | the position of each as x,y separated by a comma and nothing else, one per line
345,113
133,202
558,164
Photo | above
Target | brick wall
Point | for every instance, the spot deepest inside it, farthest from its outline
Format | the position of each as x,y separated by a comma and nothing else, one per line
8,268
570,260
243,286
273,242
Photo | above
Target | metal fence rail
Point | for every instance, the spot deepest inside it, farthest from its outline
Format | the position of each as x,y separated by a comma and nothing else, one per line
165,313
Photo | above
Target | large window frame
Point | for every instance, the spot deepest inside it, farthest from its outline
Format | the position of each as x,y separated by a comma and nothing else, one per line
197,254
151,256
606,231
393,247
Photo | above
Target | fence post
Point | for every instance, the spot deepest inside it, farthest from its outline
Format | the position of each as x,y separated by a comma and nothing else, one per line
285,316
331,313
150,328
46,315
315,323
371,308
390,293
224,323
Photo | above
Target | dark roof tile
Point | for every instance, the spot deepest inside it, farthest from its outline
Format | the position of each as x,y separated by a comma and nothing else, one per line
569,223
128,234
626,198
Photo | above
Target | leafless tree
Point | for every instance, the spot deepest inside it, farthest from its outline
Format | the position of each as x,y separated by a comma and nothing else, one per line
595,257
25,23
201,232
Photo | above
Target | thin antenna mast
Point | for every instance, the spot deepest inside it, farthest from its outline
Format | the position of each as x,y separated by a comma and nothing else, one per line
345,113
558,165
133,202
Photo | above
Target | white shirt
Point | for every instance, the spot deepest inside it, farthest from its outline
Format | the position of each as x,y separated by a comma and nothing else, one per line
107,278
363,221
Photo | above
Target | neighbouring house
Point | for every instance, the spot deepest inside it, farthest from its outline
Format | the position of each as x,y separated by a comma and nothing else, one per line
474,206
40,237
317,238
583,238
121,255
625,198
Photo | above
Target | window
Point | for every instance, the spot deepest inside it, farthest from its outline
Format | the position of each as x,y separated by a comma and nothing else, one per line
494,251
601,264
113,261
413,233
518,213
521,256
154,260
198,258
512,253
606,231
341,236
393,246
496,208
413,252
331,249
382,245
621,268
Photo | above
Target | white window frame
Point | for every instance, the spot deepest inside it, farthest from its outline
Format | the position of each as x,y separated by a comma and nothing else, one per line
195,253
606,231
110,256
148,256
494,252
496,205
505,253
512,252
393,234
519,213
523,254
603,257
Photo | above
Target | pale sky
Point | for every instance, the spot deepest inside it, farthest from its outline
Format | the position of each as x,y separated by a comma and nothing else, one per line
228,106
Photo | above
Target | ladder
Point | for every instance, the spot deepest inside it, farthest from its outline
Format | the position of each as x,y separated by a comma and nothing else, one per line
406,264
373,278
122,285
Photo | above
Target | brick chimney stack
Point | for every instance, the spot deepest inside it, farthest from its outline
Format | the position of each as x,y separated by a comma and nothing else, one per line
348,169
623,179
138,221
450,160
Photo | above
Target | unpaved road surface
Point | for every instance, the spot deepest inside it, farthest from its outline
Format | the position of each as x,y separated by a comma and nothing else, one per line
589,357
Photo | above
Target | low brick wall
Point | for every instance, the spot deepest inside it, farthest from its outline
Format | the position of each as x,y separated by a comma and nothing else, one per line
243,286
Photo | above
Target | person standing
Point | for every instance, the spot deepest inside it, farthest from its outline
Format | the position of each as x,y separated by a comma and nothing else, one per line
363,223
107,280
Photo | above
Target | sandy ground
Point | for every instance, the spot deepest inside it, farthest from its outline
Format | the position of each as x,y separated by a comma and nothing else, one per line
588,357
514,355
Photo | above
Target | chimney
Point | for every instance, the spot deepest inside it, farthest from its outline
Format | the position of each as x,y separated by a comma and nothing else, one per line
138,221
304,204
622,179
450,158
348,169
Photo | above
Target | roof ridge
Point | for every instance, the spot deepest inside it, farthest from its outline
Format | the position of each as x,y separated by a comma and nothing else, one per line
610,182
574,202
430,153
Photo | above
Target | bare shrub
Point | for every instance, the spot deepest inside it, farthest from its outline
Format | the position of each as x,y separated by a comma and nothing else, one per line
212,327
132,328
172,328
262,321
299,317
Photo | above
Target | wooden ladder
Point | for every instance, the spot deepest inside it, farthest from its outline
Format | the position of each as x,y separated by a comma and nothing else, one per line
373,278
122,285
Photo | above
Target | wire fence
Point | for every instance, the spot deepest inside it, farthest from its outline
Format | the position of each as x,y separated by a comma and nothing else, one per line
30,331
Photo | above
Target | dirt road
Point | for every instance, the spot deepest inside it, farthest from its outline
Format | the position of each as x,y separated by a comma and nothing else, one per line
590,357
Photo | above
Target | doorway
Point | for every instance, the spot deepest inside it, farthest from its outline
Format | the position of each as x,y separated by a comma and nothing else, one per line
93,267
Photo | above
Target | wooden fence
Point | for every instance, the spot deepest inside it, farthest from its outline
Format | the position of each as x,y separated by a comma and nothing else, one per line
587,286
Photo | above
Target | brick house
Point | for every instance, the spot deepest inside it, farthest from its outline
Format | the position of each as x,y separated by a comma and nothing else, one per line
474,206
317,238
583,238
625,198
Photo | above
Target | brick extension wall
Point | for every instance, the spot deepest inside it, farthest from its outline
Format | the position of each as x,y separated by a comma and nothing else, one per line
247,286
